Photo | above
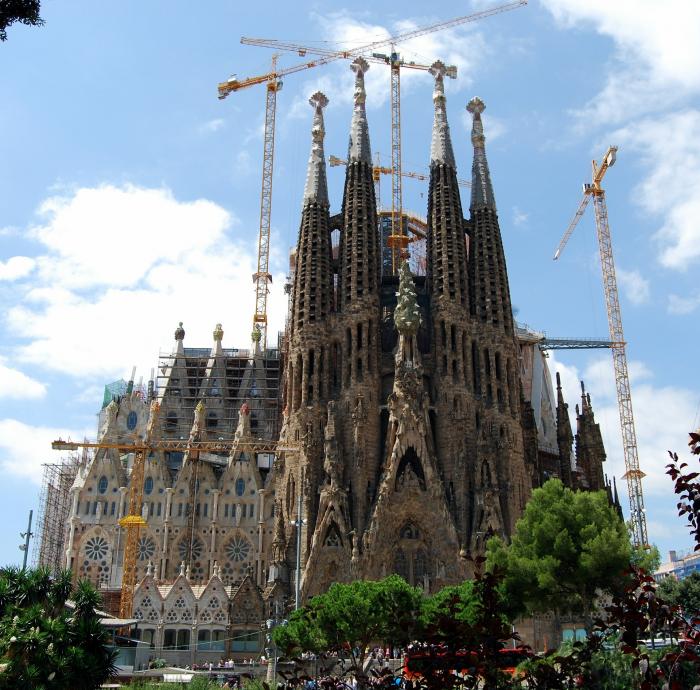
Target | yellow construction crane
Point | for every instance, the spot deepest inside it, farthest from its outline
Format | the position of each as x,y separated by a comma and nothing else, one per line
133,522
378,170
633,473
262,277
272,79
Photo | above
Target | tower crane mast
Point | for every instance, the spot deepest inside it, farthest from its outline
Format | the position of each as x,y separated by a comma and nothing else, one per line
633,474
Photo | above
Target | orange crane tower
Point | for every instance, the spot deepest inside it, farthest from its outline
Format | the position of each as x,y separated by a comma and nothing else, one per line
633,473
272,79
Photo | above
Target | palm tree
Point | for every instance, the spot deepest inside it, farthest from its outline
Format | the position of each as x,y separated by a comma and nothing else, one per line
44,644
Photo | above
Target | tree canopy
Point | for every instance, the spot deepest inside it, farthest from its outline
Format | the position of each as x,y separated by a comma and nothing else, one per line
567,546
22,11
44,643
348,617
684,593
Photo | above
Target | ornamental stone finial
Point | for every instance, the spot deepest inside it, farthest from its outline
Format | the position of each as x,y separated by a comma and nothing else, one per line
476,106
180,332
218,333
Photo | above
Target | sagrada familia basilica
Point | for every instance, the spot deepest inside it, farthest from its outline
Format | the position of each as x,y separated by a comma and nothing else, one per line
413,418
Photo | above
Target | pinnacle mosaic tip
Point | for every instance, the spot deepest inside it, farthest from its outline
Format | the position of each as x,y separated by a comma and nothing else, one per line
318,100
360,65
438,69
476,106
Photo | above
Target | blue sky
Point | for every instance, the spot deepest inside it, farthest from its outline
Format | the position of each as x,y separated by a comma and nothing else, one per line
129,195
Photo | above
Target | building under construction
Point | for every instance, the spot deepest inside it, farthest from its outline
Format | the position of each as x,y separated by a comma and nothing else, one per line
394,399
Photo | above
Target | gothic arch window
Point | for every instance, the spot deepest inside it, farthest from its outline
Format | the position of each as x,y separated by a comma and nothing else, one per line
333,538
410,471
411,559
401,565
102,484
409,531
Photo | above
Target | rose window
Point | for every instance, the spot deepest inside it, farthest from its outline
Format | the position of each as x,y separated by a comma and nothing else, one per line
197,549
238,549
146,548
96,548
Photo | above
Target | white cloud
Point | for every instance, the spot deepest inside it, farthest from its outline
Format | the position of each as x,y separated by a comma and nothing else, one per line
670,148
16,267
15,384
657,60
212,126
683,305
635,286
122,267
520,218
112,236
24,448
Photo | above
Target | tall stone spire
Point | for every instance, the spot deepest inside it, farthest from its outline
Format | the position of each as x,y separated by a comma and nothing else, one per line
441,146
359,240
316,189
488,275
482,191
447,262
313,279
359,148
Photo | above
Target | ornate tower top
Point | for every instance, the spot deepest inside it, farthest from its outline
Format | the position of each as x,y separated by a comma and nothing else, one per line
441,152
316,190
359,148
482,191
180,332
218,333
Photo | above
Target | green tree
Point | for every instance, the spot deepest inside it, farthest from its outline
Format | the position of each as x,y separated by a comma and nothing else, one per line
648,559
23,11
45,642
568,546
684,593
350,617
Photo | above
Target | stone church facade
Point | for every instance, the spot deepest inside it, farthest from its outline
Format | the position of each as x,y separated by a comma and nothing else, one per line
400,403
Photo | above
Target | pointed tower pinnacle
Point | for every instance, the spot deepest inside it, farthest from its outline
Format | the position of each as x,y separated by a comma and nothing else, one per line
441,152
482,191
313,279
359,148
565,436
316,186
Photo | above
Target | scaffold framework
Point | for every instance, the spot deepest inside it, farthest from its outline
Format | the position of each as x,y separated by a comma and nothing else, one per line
54,510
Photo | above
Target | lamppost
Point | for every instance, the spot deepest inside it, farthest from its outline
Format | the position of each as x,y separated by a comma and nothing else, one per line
27,536
271,649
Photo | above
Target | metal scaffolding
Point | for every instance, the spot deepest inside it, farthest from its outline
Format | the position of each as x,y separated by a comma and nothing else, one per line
54,512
